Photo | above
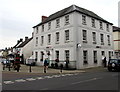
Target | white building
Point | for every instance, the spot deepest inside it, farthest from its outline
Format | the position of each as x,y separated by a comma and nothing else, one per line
119,14
25,49
76,34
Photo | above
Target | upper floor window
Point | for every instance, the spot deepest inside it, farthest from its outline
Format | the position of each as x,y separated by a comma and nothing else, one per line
107,27
49,25
66,19
101,25
37,30
42,28
66,35
84,36
83,19
108,38
93,22
94,37
36,41
49,38
57,23
85,57
102,39
57,37
42,40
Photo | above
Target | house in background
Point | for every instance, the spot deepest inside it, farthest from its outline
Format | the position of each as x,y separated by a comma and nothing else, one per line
73,34
25,49
116,36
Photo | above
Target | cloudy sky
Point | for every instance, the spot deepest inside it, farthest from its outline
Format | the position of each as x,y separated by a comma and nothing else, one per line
17,17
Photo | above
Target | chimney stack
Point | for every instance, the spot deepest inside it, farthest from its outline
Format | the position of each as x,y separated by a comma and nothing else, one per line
21,40
44,18
26,38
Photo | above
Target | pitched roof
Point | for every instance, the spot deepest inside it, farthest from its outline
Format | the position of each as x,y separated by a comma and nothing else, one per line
116,29
24,43
71,9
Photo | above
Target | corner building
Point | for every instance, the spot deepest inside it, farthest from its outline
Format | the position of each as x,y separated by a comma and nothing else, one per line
76,34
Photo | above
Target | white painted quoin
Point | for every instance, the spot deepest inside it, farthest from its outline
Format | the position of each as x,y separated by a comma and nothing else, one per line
75,33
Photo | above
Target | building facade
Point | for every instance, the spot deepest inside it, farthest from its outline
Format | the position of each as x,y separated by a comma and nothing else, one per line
116,36
73,34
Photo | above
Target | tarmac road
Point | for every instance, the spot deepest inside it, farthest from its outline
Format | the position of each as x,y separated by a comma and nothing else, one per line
90,80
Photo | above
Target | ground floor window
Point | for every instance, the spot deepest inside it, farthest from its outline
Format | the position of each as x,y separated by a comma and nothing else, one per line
95,56
67,54
57,54
85,57
36,56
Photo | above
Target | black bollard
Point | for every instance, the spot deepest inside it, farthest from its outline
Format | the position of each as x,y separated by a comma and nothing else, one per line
61,67
30,68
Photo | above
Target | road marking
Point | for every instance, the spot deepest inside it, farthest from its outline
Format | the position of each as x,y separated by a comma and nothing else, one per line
56,76
86,80
39,78
8,82
30,79
48,77
20,80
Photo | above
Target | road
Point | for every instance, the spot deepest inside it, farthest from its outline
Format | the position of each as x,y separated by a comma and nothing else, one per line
90,80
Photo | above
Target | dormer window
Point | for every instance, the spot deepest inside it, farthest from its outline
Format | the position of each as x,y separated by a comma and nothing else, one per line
67,20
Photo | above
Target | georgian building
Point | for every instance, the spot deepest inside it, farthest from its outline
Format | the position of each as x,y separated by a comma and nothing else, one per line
76,34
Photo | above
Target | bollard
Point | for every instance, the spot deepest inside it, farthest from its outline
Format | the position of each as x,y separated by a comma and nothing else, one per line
30,68
61,67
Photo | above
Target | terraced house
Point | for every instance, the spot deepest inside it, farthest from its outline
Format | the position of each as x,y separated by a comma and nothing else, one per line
75,34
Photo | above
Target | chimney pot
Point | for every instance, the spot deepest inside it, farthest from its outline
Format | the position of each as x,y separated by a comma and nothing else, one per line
26,38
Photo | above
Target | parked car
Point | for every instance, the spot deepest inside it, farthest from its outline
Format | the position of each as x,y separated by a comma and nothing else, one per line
114,64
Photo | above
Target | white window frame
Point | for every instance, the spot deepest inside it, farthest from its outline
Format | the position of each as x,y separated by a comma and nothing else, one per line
67,20
67,35
57,37
102,39
93,22
49,39
57,23
94,37
84,34
84,20
85,57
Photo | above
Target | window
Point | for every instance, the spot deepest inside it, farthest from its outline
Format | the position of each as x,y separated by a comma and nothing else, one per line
95,56
103,53
42,56
85,57
37,30
94,37
36,56
67,53
83,19
108,37
101,25
67,20
66,35
49,38
57,23
57,54
36,41
102,39
49,25
42,28
110,54
42,40
93,22
84,36
107,27
57,37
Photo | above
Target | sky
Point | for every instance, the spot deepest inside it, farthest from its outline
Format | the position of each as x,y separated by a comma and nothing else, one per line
17,17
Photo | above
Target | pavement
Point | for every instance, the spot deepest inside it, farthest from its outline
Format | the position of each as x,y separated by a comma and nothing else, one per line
39,69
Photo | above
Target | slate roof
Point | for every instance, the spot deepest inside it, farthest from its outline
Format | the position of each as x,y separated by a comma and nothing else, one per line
24,43
71,9
116,29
